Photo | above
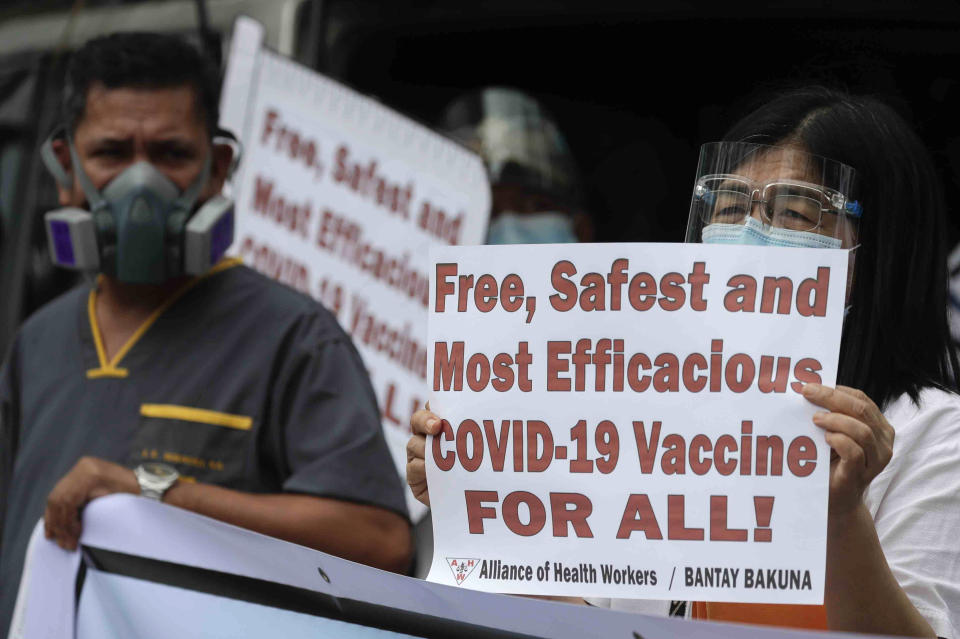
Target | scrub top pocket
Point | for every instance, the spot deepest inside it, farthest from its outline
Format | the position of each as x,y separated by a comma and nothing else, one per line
203,445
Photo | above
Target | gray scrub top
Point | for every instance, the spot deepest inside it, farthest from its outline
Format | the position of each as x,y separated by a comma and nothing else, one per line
239,382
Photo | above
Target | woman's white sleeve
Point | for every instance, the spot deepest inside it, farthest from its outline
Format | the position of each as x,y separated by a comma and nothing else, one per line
915,503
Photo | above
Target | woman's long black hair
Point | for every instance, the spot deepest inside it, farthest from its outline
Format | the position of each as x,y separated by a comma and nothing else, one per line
896,338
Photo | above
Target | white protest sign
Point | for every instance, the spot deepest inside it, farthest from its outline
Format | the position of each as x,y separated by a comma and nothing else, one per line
339,196
624,420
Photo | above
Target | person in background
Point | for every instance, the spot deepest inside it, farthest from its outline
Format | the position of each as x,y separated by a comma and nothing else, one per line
536,189
536,192
221,392
812,169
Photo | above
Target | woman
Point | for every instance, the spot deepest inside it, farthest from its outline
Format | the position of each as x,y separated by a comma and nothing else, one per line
893,561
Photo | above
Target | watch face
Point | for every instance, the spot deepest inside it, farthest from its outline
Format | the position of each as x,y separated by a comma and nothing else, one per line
155,478
160,471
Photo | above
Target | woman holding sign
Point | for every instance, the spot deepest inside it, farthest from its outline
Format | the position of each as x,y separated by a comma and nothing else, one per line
892,566
821,169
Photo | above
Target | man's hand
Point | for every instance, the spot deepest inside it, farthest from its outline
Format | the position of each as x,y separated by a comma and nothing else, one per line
88,479
861,439
423,423
367,534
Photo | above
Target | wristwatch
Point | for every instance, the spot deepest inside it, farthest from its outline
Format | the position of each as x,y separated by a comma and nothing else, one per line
155,479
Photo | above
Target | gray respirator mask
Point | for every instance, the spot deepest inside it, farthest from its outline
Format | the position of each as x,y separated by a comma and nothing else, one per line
140,228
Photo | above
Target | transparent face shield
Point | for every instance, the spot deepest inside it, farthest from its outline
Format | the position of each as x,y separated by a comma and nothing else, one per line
518,140
763,195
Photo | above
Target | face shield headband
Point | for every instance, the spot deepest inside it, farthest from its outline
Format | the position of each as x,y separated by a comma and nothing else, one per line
139,228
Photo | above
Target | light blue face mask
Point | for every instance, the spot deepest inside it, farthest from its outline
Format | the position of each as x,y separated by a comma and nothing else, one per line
754,233
531,228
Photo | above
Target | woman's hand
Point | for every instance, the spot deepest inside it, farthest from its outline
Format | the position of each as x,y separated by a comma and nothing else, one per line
861,439
423,423
861,593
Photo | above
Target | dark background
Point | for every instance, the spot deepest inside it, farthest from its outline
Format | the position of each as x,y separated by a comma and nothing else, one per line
637,87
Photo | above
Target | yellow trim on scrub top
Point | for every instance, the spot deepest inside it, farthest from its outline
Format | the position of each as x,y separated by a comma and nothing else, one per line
111,369
185,413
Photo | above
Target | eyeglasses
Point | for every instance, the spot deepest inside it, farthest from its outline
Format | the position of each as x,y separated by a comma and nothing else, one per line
794,205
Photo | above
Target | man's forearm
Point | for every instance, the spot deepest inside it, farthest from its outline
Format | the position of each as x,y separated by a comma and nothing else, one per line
365,534
862,595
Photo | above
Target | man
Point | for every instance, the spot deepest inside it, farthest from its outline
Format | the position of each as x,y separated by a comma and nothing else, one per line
247,389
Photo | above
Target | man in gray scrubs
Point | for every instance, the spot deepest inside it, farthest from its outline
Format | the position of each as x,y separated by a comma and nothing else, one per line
224,392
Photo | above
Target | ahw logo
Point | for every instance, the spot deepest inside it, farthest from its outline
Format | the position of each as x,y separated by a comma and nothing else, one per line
461,568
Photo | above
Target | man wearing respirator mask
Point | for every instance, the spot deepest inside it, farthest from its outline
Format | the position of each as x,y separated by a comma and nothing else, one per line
178,374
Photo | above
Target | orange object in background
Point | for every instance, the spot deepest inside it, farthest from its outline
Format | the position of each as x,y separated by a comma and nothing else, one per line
785,616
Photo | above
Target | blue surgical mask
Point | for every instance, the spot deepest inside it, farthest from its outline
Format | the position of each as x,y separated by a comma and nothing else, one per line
754,233
531,228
